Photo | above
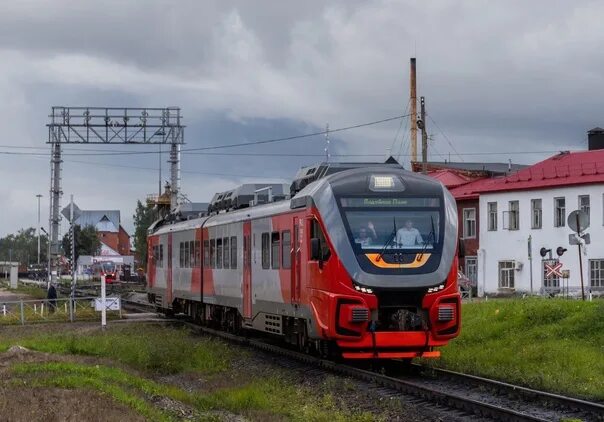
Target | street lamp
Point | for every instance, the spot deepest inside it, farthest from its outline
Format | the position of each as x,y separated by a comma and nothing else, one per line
38,196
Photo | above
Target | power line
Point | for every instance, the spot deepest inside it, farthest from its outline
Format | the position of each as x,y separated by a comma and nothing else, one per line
446,137
259,142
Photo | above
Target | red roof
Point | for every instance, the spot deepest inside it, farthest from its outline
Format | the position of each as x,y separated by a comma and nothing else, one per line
564,169
471,190
450,178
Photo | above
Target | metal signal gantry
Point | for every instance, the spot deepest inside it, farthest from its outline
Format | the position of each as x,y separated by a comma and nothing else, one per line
108,125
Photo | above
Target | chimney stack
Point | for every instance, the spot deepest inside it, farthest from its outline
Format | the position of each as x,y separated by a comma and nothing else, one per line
595,138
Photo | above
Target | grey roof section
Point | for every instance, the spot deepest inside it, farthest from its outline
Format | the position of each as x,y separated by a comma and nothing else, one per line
495,168
93,218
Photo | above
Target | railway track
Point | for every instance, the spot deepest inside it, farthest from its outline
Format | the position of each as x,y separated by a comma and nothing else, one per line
466,396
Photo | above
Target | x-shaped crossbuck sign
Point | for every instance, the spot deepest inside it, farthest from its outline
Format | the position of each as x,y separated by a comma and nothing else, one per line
553,269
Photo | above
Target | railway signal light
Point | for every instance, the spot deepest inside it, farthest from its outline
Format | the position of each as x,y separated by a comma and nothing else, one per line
560,250
544,251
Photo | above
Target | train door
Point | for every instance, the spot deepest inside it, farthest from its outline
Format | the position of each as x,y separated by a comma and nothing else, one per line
296,260
247,269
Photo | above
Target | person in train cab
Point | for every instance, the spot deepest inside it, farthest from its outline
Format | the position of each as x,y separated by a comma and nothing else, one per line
409,235
366,235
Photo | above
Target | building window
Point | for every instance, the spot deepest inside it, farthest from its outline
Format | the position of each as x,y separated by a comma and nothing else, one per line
206,254
584,204
492,211
233,252
596,273
506,274
286,254
514,215
469,223
472,269
226,259
559,212
536,213
550,284
266,252
275,250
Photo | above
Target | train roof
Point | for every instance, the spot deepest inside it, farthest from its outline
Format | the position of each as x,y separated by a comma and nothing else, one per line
349,180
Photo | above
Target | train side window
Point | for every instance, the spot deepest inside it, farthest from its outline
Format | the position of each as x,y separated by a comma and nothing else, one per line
206,254
266,253
233,252
186,260
275,250
191,253
218,253
226,259
213,253
181,255
316,231
197,254
161,256
286,244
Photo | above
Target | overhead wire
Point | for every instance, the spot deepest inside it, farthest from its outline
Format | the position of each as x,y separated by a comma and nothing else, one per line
445,136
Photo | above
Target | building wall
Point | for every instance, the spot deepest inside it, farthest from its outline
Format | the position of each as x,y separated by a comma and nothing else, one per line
512,245
110,239
123,242
470,243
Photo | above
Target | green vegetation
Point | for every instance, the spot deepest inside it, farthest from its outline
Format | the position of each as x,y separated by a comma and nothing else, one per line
148,352
86,242
155,349
551,344
23,246
144,216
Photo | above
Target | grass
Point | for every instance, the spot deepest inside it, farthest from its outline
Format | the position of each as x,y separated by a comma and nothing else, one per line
156,350
551,344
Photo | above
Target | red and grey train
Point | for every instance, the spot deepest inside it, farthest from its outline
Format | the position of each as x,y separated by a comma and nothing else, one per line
362,263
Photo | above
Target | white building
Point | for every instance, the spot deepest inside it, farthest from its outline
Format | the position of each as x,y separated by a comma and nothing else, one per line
535,203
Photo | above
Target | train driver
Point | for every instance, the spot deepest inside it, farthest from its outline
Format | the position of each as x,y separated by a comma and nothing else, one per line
409,235
366,235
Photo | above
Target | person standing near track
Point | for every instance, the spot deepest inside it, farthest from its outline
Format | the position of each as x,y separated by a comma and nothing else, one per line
52,298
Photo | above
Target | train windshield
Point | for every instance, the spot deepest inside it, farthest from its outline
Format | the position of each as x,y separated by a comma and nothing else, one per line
393,223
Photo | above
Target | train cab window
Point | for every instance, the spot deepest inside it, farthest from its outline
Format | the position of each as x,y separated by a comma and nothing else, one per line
213,253
233,252
316,231
266,252
226,261
206,253
218,253
197,253
286,244
275,250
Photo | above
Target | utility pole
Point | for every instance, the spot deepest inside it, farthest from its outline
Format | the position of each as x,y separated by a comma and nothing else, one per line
424,136
38,196
413,117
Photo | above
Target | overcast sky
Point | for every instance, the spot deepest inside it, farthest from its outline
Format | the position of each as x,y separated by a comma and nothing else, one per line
512,77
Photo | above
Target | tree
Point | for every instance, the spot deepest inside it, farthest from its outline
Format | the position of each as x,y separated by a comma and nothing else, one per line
86,242
23,247
143,218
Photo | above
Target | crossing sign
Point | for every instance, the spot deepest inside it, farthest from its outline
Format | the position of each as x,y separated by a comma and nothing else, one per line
553,269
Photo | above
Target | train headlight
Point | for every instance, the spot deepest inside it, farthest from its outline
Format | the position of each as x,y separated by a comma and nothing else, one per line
436,288
385,183
363,289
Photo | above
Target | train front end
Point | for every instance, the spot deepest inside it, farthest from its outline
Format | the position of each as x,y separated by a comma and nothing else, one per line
393,290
